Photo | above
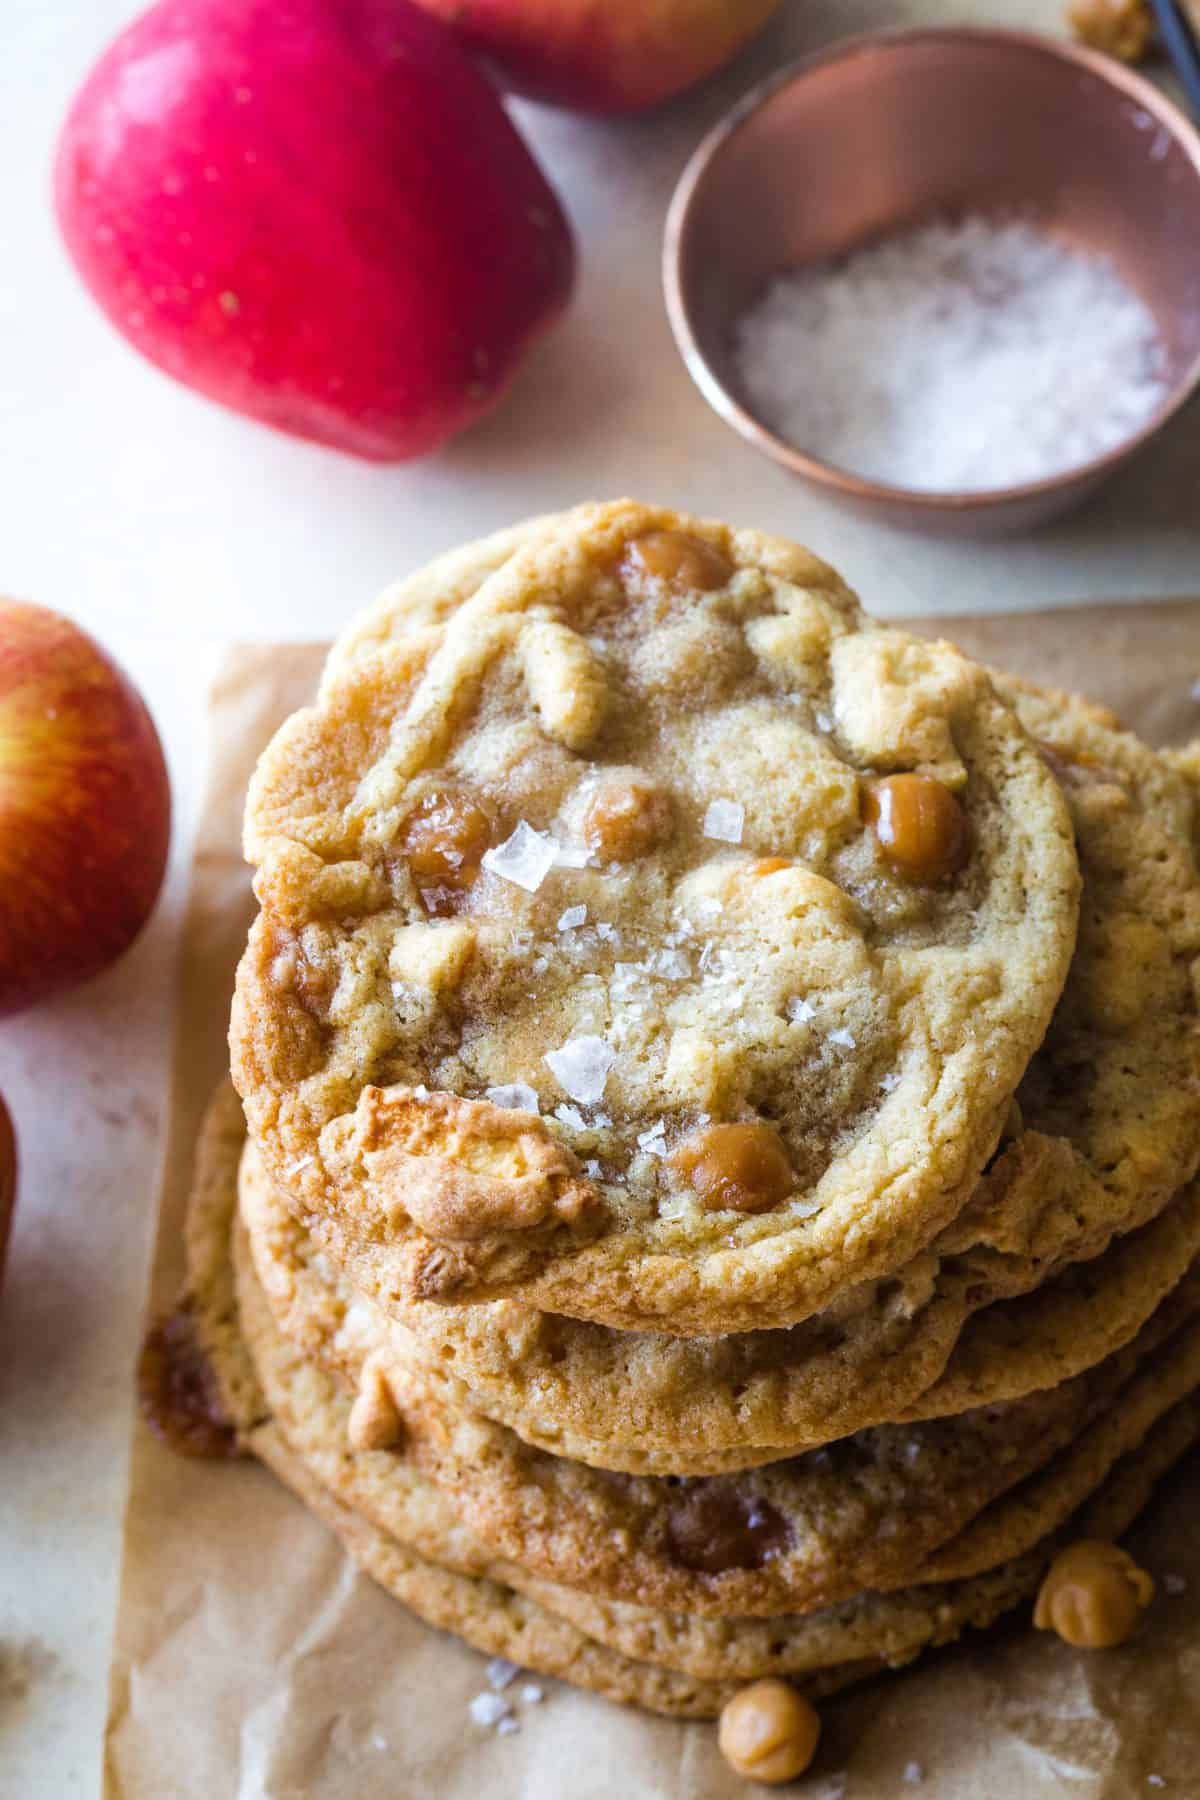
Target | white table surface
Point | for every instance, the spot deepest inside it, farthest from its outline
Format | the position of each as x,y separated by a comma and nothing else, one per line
169,527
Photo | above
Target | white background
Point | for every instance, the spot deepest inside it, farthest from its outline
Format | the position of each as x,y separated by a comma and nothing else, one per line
168,527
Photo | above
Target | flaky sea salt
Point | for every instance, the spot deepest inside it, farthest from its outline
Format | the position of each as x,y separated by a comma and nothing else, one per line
799,1011
672,965
489,1709
723,820
581,1067
914,1773
843,1038
532,1694
525,858
507,1725
571,1117
957,356
500,1672
573,918
517,1096
571,856
654,1140
1174,1585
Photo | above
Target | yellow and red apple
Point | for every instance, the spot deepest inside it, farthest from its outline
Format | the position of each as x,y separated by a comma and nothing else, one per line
85,807
600,55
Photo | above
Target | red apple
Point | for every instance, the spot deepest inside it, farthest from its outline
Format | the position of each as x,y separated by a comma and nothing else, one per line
316,212
599,55
85,807
8,1181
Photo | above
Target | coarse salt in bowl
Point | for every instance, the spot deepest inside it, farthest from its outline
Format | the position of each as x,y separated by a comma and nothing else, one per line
951,276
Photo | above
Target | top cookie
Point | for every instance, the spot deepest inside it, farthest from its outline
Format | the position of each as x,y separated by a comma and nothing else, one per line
654,938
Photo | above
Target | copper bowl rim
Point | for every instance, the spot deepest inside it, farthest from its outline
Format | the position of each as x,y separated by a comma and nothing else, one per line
829,475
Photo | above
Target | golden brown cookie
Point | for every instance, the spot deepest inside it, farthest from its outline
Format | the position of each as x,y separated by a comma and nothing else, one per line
676,727
1106,1127
383,1510
872,1512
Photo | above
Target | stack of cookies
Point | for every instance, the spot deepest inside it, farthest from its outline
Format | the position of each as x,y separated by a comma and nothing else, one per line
722,1088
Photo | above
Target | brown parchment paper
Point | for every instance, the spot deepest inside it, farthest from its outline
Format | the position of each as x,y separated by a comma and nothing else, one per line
252,1662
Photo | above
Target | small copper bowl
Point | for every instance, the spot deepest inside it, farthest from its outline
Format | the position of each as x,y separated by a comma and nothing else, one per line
885,131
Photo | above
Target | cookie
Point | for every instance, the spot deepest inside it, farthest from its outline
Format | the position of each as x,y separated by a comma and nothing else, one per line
1108,1126
1110,1106
908,1349
1109,1121
866,1513
382,1510
753,1080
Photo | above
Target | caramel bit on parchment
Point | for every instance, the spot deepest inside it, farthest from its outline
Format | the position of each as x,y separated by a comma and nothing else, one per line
768,1733
178,1390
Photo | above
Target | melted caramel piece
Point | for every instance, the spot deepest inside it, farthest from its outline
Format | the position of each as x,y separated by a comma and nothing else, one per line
444,838
178,1391
768,1733
310,982
674,560
443,841
921,828
626,818
743,1167
1092,1595
769,865
713,1529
